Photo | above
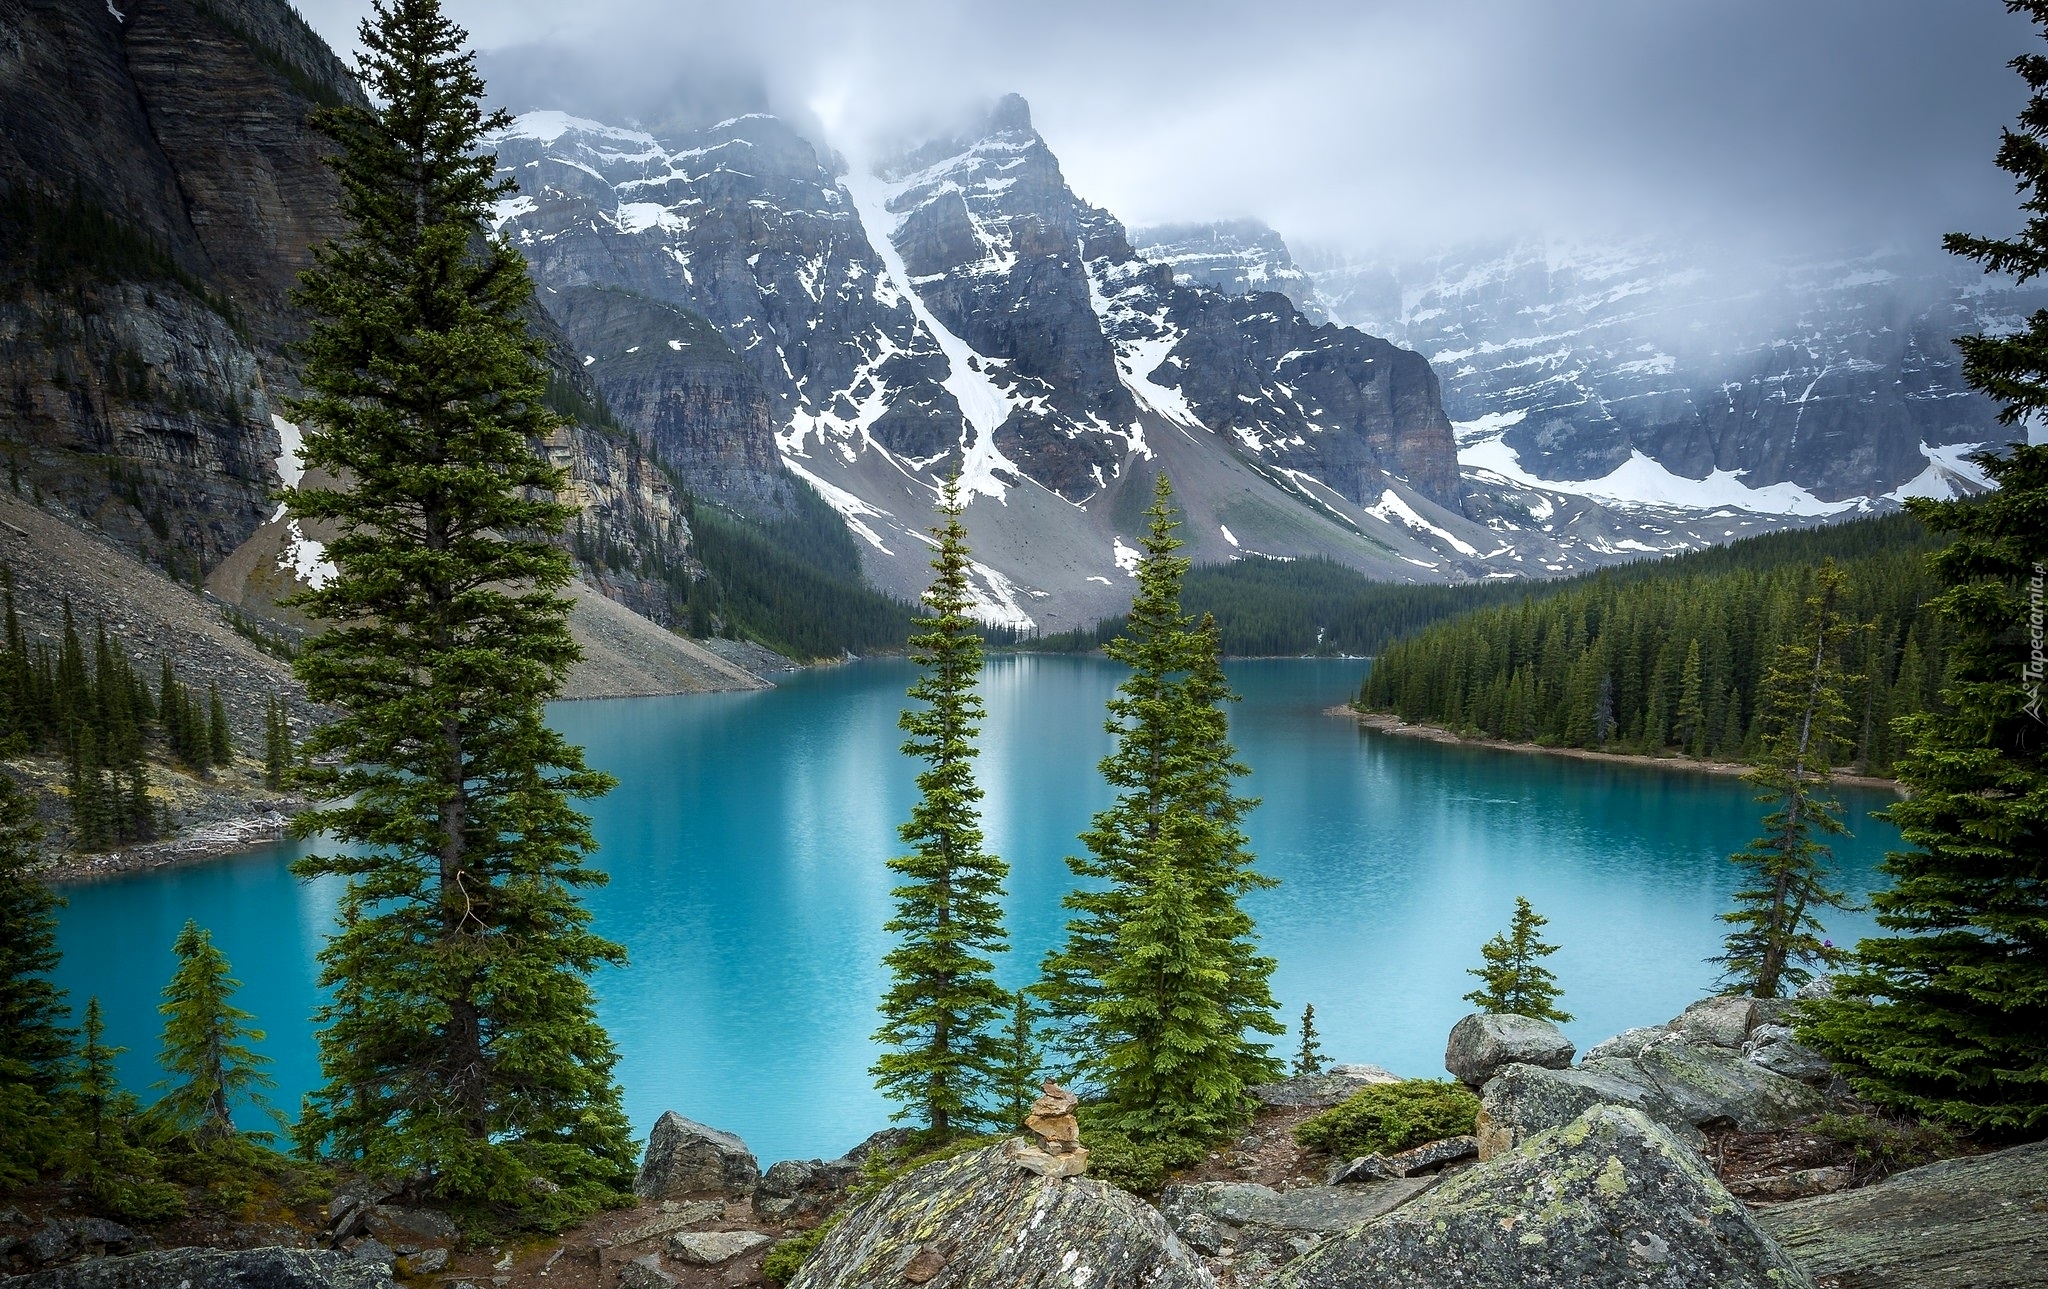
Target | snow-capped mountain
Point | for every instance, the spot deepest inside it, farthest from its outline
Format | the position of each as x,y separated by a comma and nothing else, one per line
761,312
1684,376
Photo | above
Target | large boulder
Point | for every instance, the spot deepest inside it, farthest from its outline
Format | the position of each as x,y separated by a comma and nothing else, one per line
215,1269
1778,1049
1717,1022
1625,1045
978,1221
1260,1229
801,1187
686,1158
1980,1222
1714,1085
1524,1100
1611,1199
1481,1045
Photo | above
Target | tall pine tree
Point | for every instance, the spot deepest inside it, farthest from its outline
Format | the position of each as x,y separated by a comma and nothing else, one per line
1948,1014
1803,721
944,1058
206,1045
35,1043
1159,989
460,1039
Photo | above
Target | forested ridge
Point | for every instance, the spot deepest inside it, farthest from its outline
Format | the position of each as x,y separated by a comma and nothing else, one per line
1670,658
1291,608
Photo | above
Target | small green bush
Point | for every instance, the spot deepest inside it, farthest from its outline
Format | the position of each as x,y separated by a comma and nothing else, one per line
1885,1145
1390,1117
786,1257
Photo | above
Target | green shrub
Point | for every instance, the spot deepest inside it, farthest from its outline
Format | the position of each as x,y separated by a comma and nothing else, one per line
1885,1145
786,1257
1390,1117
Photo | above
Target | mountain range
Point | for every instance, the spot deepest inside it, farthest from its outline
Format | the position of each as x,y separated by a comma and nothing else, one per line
739,318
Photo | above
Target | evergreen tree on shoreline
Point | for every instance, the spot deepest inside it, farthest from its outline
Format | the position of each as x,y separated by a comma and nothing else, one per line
35,1042
1308,1057
943,1002
206,1045
460,1037
1159,987
1514,979
1947,1014
1777,938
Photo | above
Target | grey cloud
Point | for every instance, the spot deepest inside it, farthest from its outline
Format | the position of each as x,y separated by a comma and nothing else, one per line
1344,122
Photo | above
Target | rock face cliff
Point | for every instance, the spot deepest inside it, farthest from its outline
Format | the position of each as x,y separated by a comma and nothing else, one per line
160,190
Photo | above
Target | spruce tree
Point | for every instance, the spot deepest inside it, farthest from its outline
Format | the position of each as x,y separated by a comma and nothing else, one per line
1691,717
942,1000
206,1044
35,1043
1802,719
1947,1015
220,747
277,744
1308,1058
1159,987
1513,978
1022,1062
120,1172
460,1039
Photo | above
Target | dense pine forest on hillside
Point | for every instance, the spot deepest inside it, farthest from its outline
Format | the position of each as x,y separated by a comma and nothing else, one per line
1669,658
1292,608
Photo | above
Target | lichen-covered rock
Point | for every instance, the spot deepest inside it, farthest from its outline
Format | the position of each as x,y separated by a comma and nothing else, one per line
1626,1044
1777,1049
801,1187
1481,1045
988,1224
646,1272
1245,1216
414,1226
1718,1022
1714,1085
686,1158
1523,1100
215,1269
1320,1091
1610,1199
1980,1222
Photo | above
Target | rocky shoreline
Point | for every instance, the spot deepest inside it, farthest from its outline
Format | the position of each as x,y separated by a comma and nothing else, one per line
1680,1154
219,839
1386,723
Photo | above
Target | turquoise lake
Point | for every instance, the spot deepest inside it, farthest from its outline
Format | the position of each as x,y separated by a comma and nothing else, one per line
746,844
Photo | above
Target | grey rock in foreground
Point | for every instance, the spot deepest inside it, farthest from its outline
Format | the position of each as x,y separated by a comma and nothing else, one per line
1262,1230
1714,1085
714,1248
1777,1049
977,1221
1523,1100
1320,1091
1482,1044
1611,1199
800,1187
1979,1222
1627,1044
1718,1022
216,1269
685,1157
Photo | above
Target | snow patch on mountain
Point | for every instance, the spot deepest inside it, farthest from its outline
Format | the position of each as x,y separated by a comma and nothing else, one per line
983,403
1638,482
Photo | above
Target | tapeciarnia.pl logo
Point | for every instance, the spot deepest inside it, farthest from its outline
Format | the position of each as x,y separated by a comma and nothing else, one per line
2037,655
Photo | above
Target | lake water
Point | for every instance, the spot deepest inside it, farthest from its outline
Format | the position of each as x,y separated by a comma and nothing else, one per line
746,844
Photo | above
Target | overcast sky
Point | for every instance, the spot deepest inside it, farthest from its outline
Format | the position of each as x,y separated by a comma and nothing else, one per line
1376,127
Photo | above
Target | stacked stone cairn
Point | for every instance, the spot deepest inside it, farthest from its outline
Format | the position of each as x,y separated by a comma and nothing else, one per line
1059,1152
